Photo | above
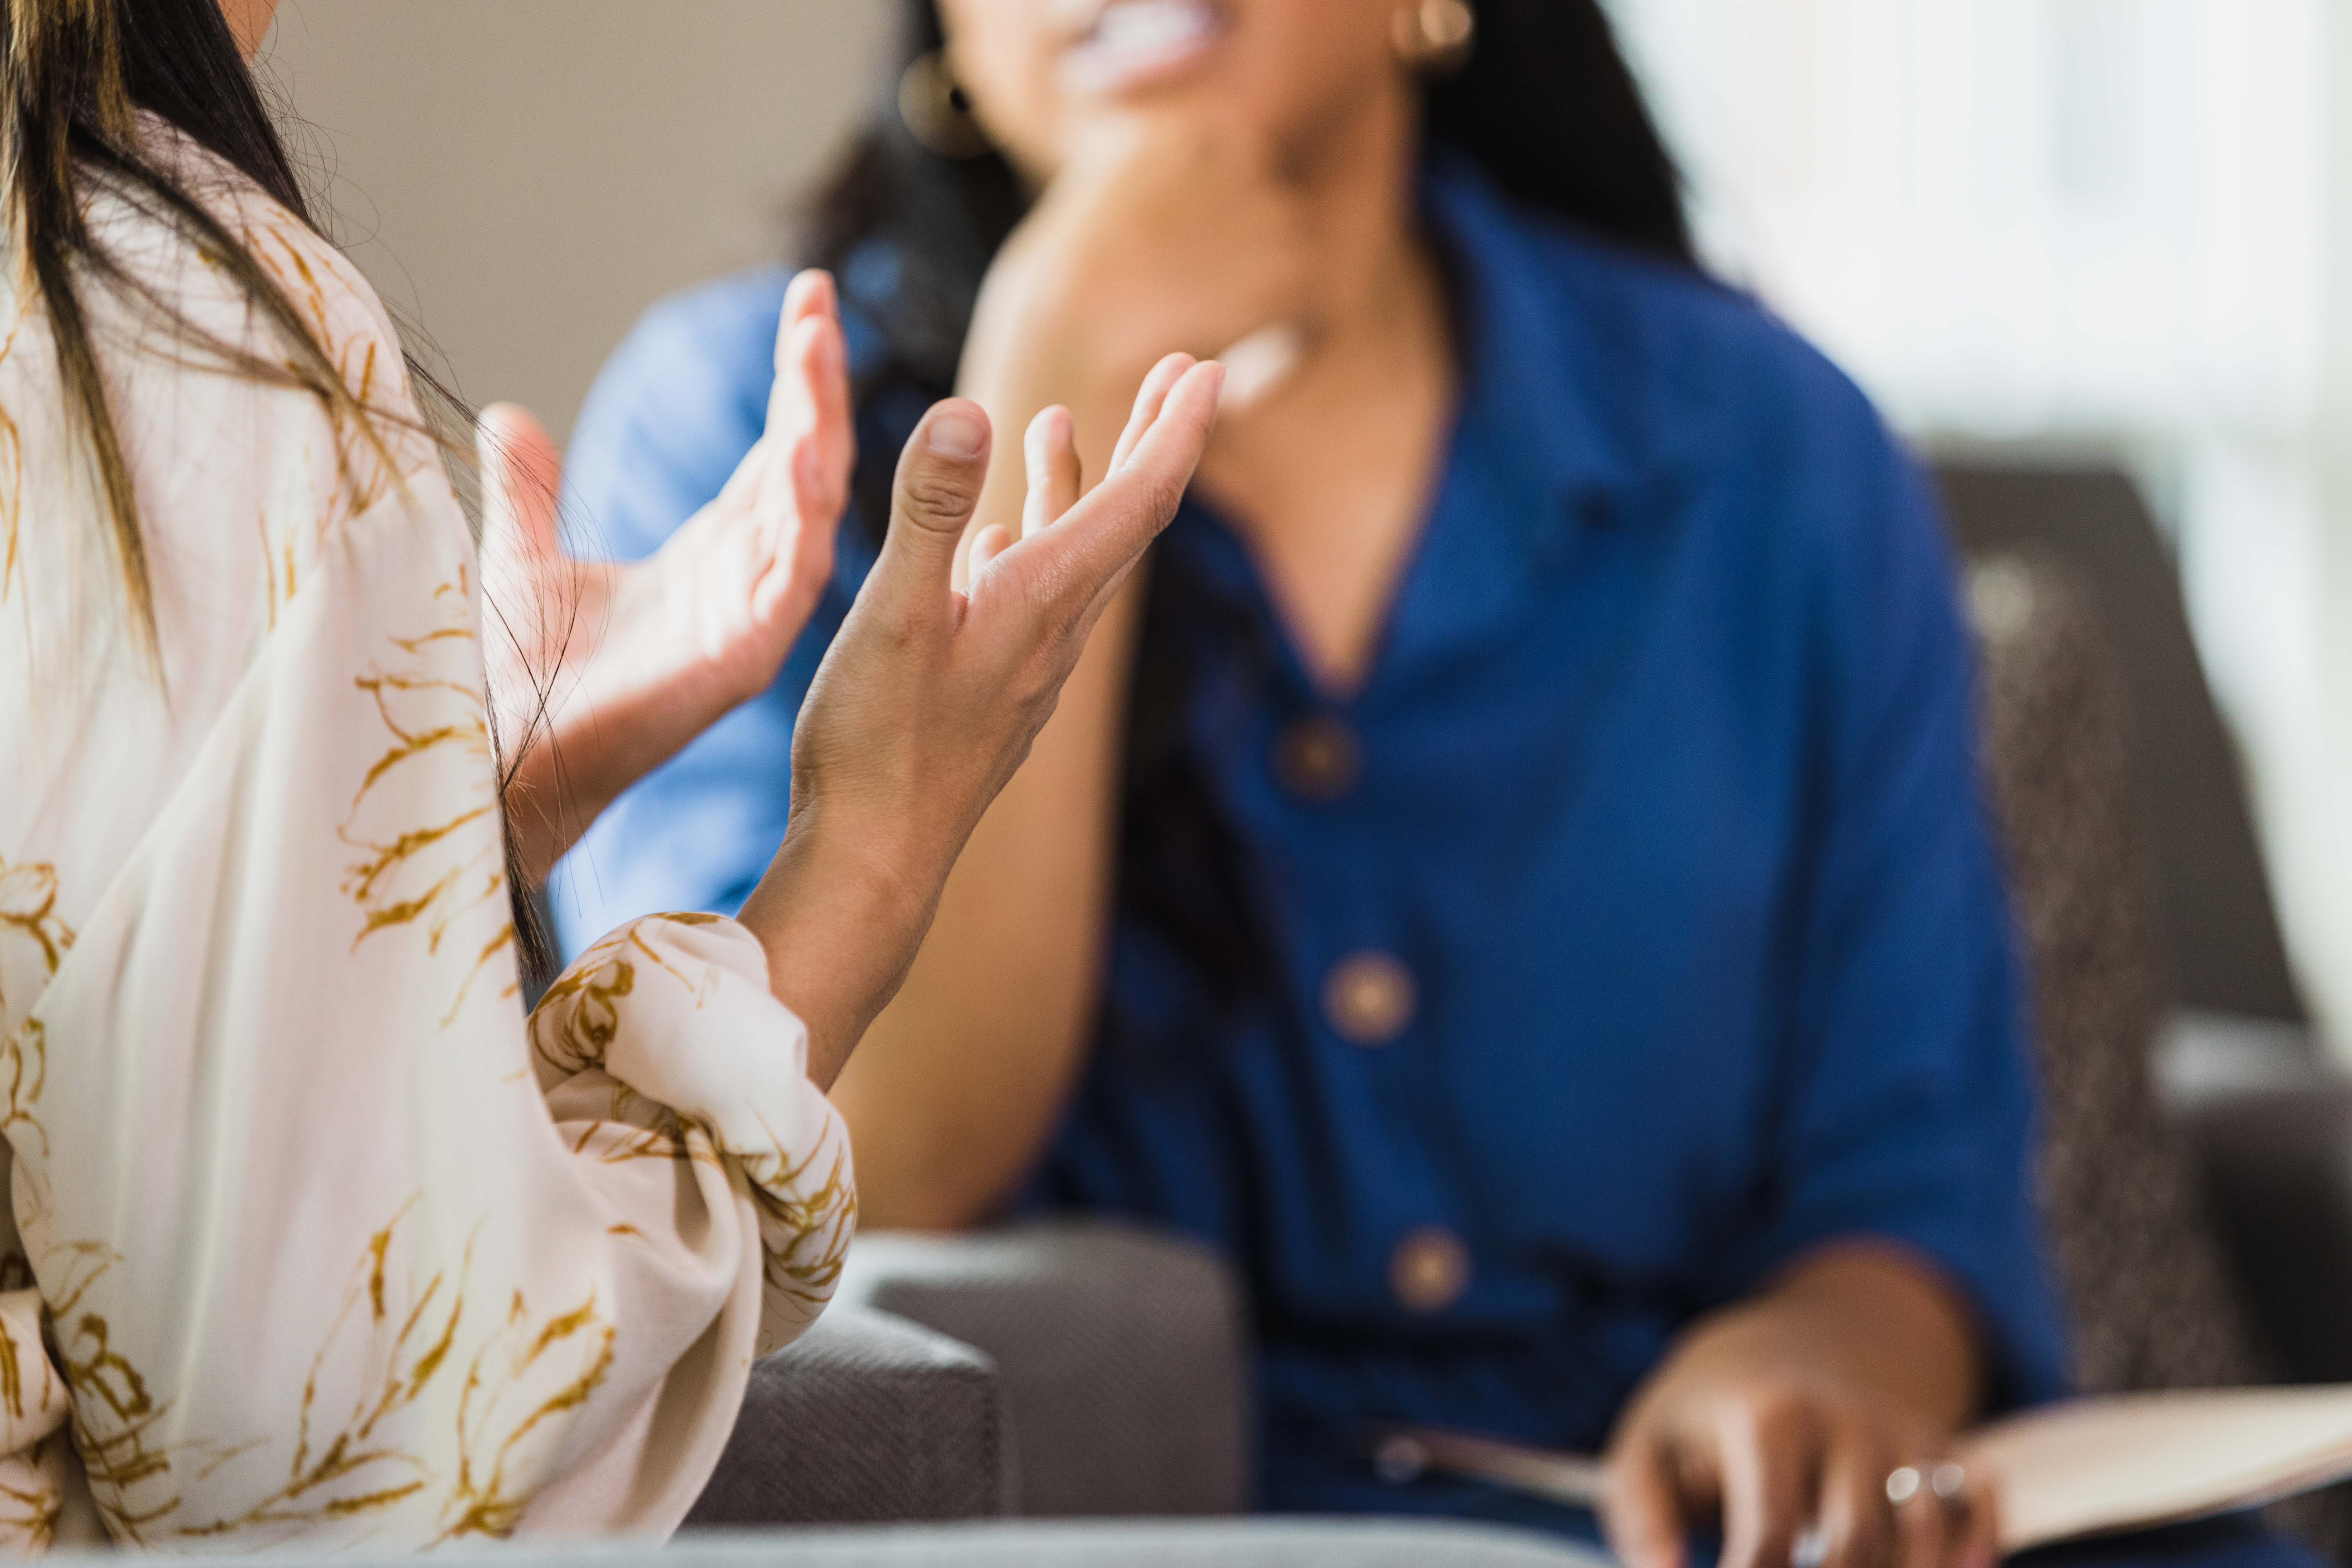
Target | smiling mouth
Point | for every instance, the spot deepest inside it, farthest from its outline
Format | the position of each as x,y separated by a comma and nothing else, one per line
1139,43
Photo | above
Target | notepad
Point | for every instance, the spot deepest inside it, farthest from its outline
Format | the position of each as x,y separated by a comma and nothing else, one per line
2083,1466
2092,1466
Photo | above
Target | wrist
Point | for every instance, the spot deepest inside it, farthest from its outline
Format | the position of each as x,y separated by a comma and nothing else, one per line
555,789
839,919
611,734
578,763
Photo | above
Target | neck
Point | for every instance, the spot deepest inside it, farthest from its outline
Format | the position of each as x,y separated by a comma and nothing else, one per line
1379,356
1376,279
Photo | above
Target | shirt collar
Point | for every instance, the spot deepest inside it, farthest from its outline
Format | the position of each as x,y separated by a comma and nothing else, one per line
1531,383
1535,465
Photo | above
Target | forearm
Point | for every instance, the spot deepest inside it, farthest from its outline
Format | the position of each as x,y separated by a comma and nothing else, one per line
959,1080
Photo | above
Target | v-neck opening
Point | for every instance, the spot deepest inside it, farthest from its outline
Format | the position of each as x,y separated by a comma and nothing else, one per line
1522,441
1413,562
1454,271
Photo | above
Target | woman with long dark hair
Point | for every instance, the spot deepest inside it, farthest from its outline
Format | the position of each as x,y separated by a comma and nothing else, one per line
1513,875
310,1235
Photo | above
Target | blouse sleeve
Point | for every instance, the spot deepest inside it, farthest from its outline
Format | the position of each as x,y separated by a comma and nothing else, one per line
1908,1108
333,1243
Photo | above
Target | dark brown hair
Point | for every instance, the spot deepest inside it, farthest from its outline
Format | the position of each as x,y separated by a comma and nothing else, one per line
74,75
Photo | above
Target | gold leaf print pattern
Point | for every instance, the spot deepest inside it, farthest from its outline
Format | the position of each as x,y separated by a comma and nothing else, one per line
24,1371
393,1342
584,1005
33,938
828,1215
355,1463
806,1219
24,1073
573,1030
116,1417
31,1500
370,463
281,567
430,876
225,1385
34,1405
12,475
294,258
638,1128
522,1379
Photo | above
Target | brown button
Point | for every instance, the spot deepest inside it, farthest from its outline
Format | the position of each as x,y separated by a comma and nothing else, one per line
1428,1270
1317,758
1369,997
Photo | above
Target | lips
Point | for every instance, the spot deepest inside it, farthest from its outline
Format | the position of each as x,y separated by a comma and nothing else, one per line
1137,43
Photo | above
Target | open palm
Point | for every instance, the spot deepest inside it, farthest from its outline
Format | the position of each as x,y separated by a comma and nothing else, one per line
600,670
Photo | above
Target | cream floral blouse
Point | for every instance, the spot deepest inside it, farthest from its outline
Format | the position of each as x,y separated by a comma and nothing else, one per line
315,1237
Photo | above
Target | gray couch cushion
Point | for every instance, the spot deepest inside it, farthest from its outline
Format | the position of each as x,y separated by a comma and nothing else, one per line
865,1418
1237,1543
1122,1354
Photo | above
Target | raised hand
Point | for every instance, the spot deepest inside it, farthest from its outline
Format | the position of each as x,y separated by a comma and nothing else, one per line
601,670
930,695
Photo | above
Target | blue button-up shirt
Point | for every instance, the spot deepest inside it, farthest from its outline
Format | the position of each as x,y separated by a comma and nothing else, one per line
1664,801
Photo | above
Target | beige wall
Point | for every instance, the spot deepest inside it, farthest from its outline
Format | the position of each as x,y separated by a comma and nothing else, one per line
522,177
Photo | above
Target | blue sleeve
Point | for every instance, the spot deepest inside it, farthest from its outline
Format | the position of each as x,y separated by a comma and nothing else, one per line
672,414
1909,1101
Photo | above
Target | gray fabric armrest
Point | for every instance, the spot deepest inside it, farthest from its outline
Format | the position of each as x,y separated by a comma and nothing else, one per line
1122,1354
866,1418
2272,1125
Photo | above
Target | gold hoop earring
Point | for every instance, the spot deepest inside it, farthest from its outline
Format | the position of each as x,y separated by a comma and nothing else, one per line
1434,36
936,112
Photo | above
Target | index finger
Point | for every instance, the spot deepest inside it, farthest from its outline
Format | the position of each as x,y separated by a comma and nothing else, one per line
1640,1509
1979,1542
1767,1459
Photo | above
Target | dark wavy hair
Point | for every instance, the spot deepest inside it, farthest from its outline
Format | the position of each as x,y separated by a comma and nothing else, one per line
74,74
1546,107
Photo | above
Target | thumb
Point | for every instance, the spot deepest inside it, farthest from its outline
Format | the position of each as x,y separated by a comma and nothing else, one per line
940,478
523,475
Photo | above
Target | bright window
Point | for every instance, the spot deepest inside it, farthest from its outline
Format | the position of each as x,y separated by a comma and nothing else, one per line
2114,225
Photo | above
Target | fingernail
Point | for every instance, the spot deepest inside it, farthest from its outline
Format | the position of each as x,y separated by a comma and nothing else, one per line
957,436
